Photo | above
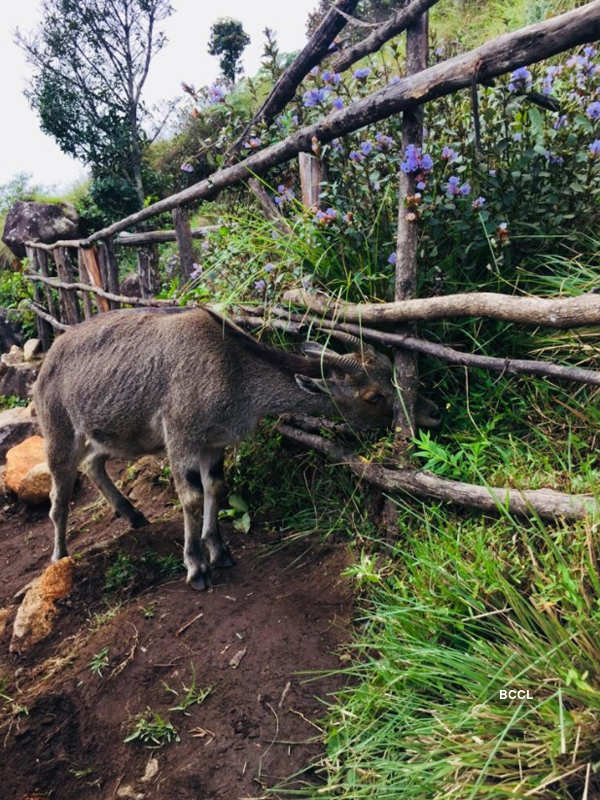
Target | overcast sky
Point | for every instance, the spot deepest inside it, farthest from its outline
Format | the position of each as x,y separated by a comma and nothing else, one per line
24,148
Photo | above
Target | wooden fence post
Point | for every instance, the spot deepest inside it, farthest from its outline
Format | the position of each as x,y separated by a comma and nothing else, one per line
94,272
405,363
67,299
185,243
44,330
84,277
40,260
311,175
147,258
109,269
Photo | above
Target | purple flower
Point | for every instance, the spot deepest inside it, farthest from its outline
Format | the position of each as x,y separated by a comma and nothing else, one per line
520,80
314,71
331,77
593,110
186,167
421,185
453,186
560,122
337,145
415,160
337,102
269,267
449,155
383,141
478,203
331,212
307,282
492,173
366,147
253,143
552,158
361,74
392,258
315,96
284,193
465,189
355,156
216,94
517,137
196,271
594,148
394,80
260,285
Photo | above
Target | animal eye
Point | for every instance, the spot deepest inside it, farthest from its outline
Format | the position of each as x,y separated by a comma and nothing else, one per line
374,397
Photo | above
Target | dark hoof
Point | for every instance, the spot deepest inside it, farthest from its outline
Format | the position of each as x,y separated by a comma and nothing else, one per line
200,582
138,520
224,560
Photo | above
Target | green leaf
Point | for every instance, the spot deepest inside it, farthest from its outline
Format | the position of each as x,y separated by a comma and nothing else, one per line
237,502
242,524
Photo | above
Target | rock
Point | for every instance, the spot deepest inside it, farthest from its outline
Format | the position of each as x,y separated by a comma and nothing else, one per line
16,424
128,791
151,769
14,356
37,612
4,615
39,222
10,333
130,285
21,458
35,486
16,380
31,349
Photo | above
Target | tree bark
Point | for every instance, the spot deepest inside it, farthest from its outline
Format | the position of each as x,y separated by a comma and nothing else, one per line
545,503
310,168
505,53
109,269
405,283
314,51
398,22
69,307
555,312
185,243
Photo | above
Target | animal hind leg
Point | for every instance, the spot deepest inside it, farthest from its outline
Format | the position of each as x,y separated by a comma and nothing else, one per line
96,470
211,474
190,495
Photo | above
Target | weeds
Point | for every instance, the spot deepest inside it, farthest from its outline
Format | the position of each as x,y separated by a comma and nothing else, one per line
189,695
151,730
99,661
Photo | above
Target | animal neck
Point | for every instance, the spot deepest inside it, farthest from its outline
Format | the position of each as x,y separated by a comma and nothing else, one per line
276,392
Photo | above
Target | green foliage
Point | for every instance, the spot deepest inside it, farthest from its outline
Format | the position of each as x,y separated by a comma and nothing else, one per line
189,695
89,71
120,574
239,512
99,661
151,730
463,609
12,401
228,40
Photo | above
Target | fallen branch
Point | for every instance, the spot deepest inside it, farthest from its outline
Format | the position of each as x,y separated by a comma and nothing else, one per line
397,23
60,326
312,54
556,312
505,53
544,503
86,287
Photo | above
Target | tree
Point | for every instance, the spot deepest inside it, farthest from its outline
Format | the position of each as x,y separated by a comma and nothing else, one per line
228,39
91,59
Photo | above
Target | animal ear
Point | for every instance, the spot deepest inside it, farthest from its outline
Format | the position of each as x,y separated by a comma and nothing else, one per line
311,385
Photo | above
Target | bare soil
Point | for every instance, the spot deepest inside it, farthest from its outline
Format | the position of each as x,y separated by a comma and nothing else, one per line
280,614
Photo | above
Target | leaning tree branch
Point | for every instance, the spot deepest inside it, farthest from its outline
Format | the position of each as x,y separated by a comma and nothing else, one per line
545,503
397,23
556,312
313,52
60,326
525,46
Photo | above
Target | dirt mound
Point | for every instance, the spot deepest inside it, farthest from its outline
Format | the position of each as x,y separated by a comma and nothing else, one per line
219,679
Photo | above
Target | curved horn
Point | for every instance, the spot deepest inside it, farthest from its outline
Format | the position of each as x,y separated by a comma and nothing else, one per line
350,339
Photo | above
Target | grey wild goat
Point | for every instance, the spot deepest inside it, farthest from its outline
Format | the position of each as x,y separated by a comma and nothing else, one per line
127,383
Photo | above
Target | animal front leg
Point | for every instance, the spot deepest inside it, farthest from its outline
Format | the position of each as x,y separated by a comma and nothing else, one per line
211,475
198,571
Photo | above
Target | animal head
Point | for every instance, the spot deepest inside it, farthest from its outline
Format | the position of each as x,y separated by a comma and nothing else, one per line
359,384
